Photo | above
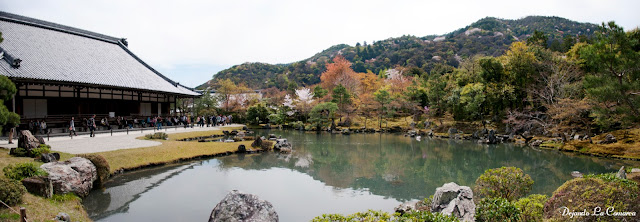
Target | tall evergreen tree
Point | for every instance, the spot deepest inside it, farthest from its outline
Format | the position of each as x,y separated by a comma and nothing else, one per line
614,79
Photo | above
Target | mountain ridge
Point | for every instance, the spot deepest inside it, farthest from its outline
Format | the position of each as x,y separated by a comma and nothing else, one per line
488,36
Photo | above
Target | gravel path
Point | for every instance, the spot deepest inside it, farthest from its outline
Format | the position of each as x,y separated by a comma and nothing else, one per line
105,142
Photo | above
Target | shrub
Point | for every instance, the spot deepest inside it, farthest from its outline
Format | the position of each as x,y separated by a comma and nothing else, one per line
593,191
425,204
507,182
102,166
266,145
35,152
20,152
427,217
297,125
531,207
22,170
359,216
275,118
11,192
496,209
157,136
43,148
384,216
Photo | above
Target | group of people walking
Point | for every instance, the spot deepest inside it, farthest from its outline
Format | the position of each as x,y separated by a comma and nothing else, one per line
219,120
91,123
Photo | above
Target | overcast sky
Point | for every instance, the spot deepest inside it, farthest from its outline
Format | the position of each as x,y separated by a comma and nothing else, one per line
189,41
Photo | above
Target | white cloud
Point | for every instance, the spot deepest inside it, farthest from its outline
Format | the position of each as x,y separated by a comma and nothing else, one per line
172,34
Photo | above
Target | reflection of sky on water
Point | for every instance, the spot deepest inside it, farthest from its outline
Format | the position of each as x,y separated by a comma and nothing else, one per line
326,174
192,194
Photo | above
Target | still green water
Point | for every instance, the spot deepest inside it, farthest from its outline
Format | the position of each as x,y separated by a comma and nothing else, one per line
327,173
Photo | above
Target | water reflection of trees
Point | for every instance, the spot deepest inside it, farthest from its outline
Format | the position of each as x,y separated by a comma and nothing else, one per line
402,168
126,189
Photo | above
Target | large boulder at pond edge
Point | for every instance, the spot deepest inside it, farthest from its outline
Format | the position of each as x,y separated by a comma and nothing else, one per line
238,206
74,175
455,200
27,140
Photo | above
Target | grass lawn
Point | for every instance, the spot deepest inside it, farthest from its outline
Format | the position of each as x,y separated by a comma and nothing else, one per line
38,208
170,151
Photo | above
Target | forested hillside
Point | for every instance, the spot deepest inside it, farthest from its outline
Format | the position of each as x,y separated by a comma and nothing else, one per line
488,36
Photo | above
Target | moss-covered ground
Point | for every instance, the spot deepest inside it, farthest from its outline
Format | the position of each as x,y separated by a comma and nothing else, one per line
627,147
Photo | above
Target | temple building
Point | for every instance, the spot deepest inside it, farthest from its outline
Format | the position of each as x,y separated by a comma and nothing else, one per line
62,71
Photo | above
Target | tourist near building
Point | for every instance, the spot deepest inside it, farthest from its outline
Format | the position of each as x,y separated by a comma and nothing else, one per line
62,71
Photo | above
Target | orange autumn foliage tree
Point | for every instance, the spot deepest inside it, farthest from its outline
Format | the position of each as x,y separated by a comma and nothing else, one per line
339,72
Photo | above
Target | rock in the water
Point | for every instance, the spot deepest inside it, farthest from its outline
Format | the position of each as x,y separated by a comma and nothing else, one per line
452,199
491,137
345,131
245,128
536,143
406,207
27,140
74,175
40,185
238,206
48,157
622,174
282,144
452,131
257,143
609,139
242,149
63,217
576,174
475,135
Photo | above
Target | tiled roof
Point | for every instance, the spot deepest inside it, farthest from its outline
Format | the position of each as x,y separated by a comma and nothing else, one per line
53,52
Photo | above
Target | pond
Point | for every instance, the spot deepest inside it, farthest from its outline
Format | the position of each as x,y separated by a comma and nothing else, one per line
327,173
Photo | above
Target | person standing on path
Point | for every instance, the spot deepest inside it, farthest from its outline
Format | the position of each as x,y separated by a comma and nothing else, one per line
92,126
72,127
